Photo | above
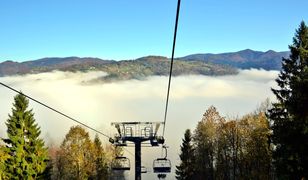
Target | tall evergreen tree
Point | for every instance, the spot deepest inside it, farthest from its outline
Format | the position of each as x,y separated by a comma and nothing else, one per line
3,157
27,154
290,115
186,169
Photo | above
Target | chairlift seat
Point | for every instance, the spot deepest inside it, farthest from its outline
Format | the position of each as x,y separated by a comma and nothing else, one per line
121,164
162,165
143,169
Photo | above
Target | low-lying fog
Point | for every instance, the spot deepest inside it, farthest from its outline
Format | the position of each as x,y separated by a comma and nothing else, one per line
100,104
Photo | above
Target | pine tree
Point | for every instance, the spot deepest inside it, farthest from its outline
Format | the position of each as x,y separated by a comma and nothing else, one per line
3,157
27,154
186,170
290,115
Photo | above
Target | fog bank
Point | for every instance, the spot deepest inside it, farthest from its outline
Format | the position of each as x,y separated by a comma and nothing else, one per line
102,103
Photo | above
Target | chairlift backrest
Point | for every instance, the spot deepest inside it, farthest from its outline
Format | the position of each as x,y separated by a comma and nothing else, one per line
162,165
147,132
144,169
128,131
121,164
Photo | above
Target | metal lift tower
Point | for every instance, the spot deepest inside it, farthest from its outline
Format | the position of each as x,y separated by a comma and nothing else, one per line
138,133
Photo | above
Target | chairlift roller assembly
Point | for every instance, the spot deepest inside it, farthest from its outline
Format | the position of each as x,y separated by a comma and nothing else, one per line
137,133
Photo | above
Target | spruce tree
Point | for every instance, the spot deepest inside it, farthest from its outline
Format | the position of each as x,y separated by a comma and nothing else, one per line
27,154
290,114
3,157
185,171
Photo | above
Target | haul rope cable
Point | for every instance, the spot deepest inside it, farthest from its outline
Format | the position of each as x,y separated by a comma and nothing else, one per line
53,109
87,126
59,112
171,63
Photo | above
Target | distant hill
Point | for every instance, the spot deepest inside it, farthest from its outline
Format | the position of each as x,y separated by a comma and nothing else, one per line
47,64
117,70
245,59
203,64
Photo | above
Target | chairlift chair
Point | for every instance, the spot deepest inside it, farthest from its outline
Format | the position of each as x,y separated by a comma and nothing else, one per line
161,176
144,169
121,164
162,165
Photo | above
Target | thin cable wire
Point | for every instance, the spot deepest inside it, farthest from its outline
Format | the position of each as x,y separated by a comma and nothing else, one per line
73,119
171,63
57,111
83,124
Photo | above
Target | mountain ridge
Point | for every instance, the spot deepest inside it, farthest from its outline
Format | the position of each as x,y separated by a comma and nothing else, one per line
141,68
244,59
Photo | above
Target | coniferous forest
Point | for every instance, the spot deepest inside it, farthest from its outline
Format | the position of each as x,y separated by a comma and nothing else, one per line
269,143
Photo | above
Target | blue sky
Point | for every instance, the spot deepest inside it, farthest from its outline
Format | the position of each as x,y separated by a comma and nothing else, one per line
128,29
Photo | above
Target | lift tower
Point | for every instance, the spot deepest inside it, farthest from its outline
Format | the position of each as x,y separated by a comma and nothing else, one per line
138,133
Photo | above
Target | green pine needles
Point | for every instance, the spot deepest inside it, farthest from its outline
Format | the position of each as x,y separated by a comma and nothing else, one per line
186,169
289,115
27,155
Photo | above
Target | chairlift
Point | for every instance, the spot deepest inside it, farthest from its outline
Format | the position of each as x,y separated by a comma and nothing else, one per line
162,165
121,164
161,176
144,169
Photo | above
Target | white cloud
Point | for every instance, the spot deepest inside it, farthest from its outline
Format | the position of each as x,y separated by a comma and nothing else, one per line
100,104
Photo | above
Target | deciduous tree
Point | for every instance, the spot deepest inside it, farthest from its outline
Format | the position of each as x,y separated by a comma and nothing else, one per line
76,156
205,139
233,149
101,163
